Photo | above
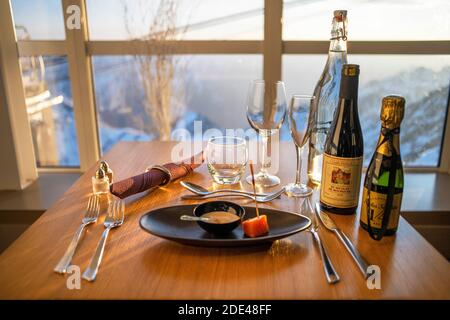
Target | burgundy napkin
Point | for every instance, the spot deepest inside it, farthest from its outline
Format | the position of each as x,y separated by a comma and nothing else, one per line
155,177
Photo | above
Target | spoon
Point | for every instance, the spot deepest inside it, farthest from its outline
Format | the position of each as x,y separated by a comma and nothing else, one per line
192,218
195,188
265,198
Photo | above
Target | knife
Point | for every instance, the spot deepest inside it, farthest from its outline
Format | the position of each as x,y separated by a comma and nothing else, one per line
330,225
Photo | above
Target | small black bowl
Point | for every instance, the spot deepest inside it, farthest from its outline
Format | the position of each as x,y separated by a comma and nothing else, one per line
222,228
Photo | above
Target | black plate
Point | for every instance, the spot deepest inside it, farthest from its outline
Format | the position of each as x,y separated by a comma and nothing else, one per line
166,223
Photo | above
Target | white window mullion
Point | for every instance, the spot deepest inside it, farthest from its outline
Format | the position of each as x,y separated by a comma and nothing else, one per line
139,47
273,39
127,47
41,47
82,86
370,47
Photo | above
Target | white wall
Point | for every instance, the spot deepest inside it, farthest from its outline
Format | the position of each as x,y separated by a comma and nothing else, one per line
9,172
17,161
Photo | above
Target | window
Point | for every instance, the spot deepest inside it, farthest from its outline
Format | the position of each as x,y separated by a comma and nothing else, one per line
422,80
38,19
192,19
210,88
50,110
215,47
369,20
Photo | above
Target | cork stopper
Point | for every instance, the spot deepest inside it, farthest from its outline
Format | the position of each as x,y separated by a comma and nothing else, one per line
392,111
340,15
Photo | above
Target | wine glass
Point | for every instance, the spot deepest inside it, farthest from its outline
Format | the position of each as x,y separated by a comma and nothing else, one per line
266,109
298,116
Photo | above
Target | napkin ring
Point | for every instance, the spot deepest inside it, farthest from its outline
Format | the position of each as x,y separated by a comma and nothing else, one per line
163,169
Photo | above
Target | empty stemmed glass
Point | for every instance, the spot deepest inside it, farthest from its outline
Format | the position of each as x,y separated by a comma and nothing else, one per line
298,117
266,109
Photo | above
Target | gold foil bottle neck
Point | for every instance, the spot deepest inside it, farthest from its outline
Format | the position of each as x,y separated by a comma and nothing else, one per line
99,174
392,111
350,70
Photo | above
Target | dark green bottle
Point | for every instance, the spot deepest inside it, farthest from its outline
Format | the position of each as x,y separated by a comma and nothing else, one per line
384,177
344,149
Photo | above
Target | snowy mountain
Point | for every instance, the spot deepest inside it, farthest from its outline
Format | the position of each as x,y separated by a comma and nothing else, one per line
426,94
120,105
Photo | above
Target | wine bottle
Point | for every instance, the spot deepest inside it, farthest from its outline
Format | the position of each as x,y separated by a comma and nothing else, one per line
343,156
327,95
383,184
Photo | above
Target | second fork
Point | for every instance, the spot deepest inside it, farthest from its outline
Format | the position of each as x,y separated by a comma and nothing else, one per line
113,219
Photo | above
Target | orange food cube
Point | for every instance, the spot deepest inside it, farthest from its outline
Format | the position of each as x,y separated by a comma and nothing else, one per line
255,227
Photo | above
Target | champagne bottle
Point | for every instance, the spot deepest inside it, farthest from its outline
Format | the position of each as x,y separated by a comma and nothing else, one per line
383,184
327,95
343,156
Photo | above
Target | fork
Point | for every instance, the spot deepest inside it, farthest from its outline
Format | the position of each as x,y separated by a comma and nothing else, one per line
91,216
114,218
330,273
266,198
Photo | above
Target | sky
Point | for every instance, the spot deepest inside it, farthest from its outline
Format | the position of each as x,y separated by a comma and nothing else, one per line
238,19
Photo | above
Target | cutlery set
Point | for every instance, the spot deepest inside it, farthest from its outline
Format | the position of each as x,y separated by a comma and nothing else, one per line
328,267
114,218
330,273
330,225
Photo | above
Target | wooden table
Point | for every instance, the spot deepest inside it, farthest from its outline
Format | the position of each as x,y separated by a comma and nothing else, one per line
138,265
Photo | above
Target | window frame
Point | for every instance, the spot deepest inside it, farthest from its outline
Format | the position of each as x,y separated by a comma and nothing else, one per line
79,51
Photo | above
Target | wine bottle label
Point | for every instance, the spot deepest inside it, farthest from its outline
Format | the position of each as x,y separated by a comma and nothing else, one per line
377,204
341,180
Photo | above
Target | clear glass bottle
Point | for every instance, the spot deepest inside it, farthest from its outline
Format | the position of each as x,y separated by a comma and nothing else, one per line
100,182
327,95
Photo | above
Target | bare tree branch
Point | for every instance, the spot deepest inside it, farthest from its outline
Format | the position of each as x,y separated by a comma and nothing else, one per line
164,99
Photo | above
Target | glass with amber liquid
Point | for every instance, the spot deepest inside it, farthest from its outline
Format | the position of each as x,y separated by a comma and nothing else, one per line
383,185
